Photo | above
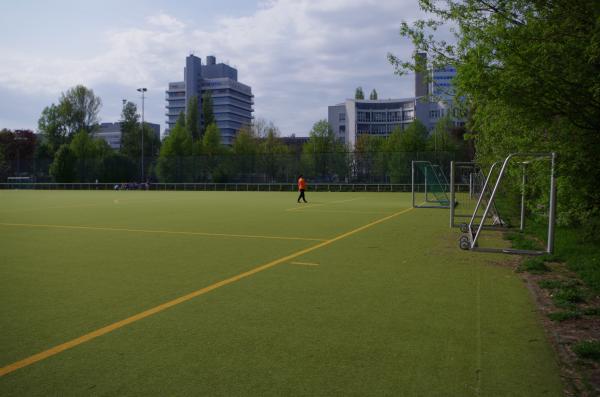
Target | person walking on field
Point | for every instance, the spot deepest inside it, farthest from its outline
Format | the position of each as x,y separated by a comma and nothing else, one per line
301,188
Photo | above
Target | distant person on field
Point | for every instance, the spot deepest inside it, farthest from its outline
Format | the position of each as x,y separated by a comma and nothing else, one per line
301,188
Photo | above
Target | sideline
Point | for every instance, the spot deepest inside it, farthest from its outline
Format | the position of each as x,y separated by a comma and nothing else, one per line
147,313
118,229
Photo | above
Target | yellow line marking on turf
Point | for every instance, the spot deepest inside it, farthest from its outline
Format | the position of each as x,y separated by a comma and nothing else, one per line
304,263
157,309
118,229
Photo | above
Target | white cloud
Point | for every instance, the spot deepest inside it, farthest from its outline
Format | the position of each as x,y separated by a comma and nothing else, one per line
298,56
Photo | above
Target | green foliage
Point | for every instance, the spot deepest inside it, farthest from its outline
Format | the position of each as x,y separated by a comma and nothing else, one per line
359,94
173,161
208,115
529,73
441,138
401,147
116,167
130,131
79,108
568,295
370,158
3,166
592,311
588,349
88,153
555,284
272,155
323,155
373,95
52,126
245,149
533,265
564,315
62,168
192,121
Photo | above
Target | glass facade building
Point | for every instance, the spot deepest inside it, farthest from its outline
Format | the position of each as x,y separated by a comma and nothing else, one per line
232,101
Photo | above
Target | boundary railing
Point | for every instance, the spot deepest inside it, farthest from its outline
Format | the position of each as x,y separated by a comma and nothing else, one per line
249,187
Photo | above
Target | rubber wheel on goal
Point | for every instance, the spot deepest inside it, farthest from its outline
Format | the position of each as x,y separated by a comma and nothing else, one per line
464,227
464,243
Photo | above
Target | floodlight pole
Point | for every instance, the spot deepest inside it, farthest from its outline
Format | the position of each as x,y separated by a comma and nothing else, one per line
142,90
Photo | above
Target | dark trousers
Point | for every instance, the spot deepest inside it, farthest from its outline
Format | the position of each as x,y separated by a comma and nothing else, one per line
301,196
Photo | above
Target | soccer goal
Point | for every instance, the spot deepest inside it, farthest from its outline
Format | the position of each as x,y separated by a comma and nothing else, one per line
468,186
520,178
429,186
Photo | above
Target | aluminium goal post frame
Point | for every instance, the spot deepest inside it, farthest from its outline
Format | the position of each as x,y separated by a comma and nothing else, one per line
453,165
494,214
474,236
413,186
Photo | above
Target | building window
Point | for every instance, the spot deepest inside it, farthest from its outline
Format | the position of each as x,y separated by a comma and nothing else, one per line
342,117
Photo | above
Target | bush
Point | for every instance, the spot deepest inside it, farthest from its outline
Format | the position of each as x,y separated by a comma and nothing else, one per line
588,349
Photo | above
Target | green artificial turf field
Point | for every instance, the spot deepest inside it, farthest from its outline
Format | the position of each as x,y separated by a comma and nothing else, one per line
351,294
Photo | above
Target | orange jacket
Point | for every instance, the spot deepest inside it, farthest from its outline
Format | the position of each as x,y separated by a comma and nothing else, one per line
301,184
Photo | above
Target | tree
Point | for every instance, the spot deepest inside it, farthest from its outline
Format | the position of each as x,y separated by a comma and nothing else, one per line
3,166
208,116
77,110
118,168
130,131
440,139
369,159
402,147
173,161
19,149
80,107
88,153
373,95
273,155
53,126
530,75
323,154
192,121
62,168
359,94
244,150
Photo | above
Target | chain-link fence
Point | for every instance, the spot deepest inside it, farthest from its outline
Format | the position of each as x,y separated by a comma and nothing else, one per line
371,168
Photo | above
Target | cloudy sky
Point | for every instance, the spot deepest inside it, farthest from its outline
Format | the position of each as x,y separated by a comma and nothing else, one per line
299,56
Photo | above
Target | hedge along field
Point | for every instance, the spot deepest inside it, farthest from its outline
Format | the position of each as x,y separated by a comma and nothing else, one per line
350,294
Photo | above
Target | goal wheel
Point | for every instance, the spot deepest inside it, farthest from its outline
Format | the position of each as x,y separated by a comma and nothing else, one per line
464,243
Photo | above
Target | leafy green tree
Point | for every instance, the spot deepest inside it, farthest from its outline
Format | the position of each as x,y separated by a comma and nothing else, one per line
441,139
62,168
192,121
529,73
208,115
402,147
3,166
118,168
77,110
373,95
359,94
88,153
79,107
244,150
273,156
130,131
174,159
53,127
324,155
370,163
